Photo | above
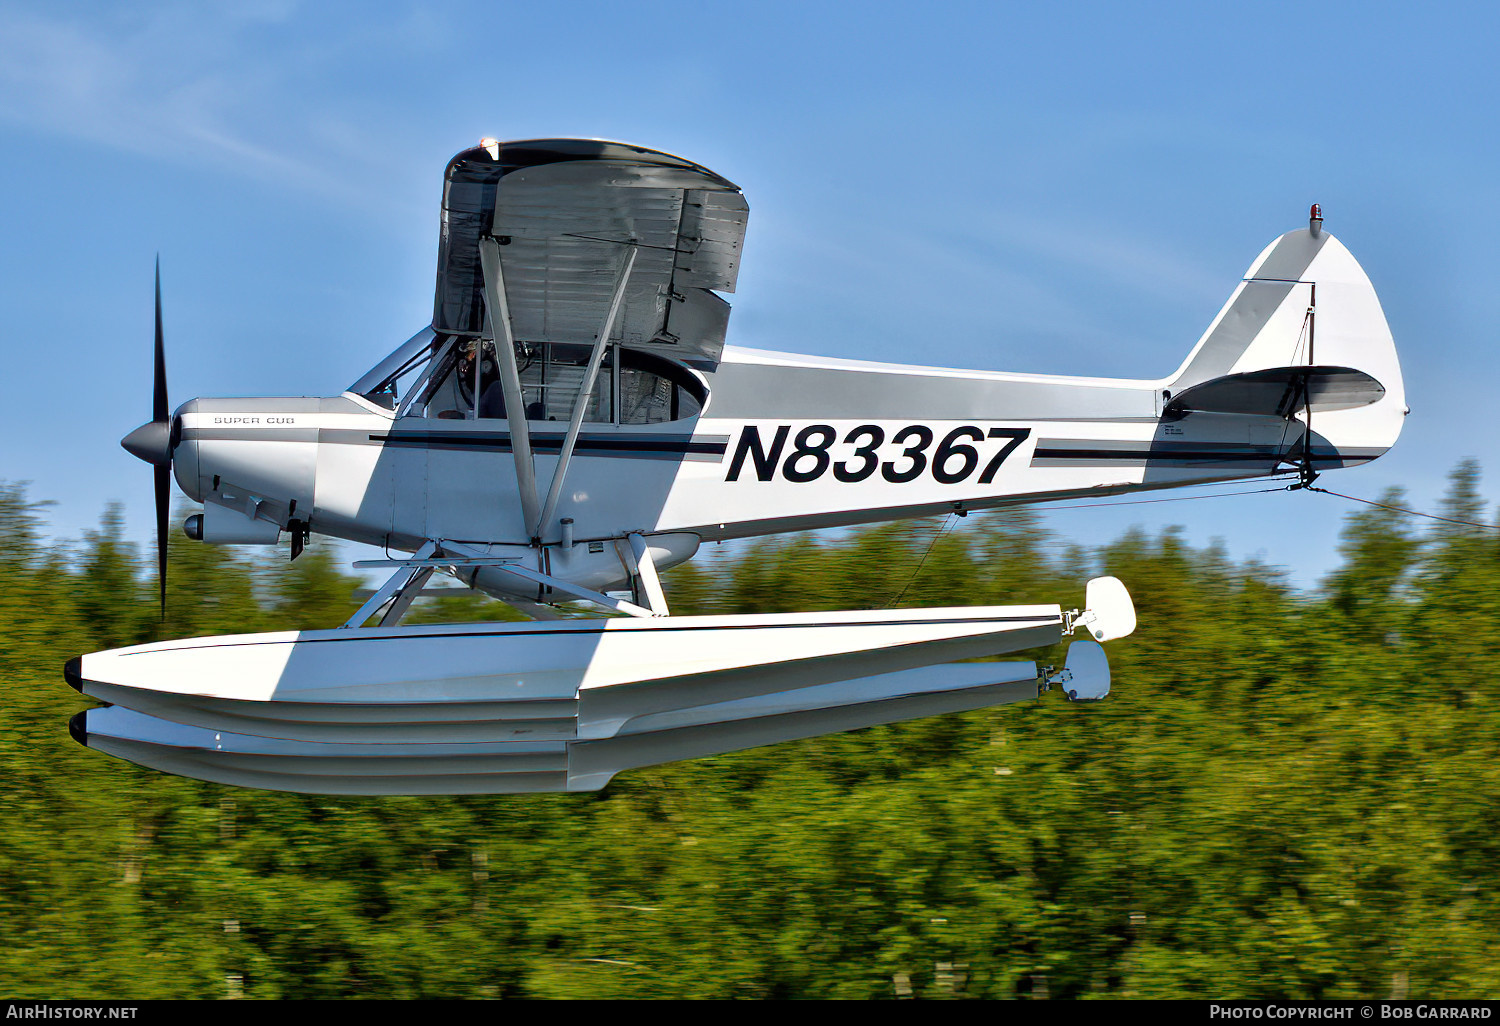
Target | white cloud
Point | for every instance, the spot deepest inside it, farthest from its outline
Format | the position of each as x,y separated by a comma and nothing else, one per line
222,85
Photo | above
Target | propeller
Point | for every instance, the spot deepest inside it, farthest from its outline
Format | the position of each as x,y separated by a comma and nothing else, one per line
153,442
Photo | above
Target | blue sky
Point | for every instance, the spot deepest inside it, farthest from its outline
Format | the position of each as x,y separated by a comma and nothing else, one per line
1060,188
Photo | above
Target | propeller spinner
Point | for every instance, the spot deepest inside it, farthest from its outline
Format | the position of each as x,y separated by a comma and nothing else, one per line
153,442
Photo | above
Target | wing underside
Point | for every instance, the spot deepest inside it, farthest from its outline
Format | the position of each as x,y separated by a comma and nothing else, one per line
567,213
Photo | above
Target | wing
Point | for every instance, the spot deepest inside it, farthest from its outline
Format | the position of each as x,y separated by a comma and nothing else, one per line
566,212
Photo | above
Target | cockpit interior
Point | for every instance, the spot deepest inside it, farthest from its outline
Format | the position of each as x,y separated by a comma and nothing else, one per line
439,377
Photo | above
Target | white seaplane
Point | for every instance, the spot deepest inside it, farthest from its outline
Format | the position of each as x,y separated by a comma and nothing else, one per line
572,424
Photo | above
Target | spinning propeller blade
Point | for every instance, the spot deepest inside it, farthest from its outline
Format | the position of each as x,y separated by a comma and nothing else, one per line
160,412
154,442
159,409
163,498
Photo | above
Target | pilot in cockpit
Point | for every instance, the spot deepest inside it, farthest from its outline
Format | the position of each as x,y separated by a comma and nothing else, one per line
491,393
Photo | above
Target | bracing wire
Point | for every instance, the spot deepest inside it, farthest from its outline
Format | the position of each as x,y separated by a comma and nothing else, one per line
1406,512
1172,498
947,522
1283,488
950,520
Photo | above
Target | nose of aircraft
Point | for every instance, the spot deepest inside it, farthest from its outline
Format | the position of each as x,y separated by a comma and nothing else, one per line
154,441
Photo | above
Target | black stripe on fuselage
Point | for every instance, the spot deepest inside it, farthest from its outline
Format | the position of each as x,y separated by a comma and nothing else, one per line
1051,453
494,441
1161,456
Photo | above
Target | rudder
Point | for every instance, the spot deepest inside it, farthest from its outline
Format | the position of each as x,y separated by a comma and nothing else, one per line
1304,312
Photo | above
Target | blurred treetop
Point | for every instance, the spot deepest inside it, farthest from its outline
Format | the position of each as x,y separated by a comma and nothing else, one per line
1289,794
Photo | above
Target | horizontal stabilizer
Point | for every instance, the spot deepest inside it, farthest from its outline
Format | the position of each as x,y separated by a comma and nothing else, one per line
1278,392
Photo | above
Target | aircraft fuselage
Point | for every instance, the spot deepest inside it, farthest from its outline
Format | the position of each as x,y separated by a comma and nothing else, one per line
785,443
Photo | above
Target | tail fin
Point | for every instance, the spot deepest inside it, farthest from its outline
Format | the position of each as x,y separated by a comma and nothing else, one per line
1304,320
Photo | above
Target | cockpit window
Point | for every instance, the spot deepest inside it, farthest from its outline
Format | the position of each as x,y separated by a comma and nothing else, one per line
389,381
653,390
553,375
439,377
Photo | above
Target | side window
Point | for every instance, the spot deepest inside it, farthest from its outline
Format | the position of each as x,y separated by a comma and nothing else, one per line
644,397
654,391
552,375
441,378
466,370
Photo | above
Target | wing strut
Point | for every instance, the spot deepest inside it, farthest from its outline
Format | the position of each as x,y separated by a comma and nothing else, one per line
588,594
412,572
645,567
497,312
585,391
470,556
404,586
